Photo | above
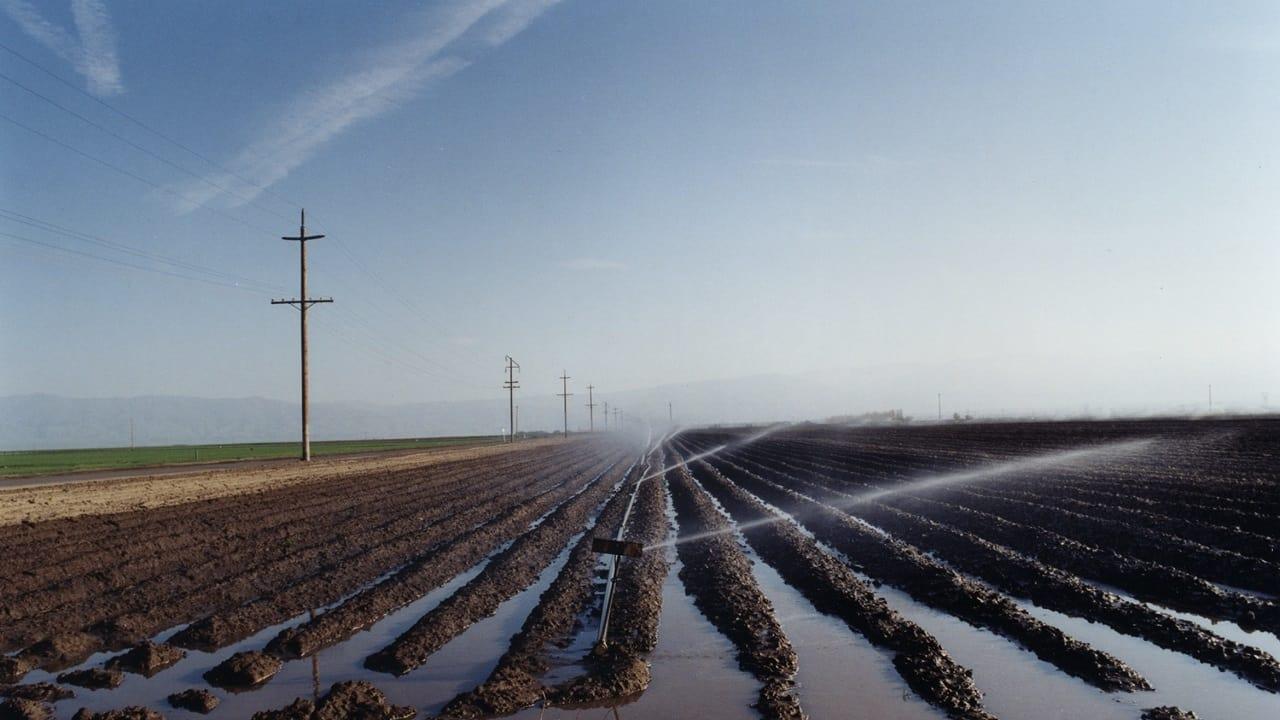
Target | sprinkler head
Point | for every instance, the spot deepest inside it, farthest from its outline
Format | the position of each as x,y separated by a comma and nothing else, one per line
606,546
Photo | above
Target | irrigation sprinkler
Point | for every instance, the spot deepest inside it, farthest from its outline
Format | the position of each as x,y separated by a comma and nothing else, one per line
616,548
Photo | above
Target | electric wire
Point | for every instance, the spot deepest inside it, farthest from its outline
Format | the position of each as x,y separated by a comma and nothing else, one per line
133,175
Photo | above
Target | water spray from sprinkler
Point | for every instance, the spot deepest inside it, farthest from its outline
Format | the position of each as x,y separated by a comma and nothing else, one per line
1038,462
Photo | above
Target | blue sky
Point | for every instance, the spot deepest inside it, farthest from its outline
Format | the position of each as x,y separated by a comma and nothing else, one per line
644,193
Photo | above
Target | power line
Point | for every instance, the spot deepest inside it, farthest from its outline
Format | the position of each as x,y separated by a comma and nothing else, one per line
133,175
360,265
368,271
141,124
64,231
142,149
223,279
127,264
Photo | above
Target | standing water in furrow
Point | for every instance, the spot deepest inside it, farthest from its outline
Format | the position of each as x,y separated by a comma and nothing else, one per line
506,575
832,588
718,576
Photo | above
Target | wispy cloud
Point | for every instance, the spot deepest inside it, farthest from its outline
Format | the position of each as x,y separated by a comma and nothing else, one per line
91,51
448,38
585,263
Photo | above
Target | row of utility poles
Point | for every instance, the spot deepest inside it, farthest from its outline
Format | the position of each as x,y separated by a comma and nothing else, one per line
511,384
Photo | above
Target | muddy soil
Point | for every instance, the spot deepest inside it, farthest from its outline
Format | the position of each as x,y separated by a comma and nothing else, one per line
513,684
146,659
717,574
344,701
620,670
894,562
1021,576
217,578
196,700
465,540
834,589
511,571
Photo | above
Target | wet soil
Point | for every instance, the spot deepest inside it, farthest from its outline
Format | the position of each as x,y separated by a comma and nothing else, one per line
514,683
717,575
834,589
512,570
620,671
897,563
1022,576
195,699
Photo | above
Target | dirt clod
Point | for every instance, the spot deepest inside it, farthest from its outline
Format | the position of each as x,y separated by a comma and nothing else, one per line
244,670
1168,712
41,691
129,713
13,668
22,709
357,700
93,678
195,700
147,659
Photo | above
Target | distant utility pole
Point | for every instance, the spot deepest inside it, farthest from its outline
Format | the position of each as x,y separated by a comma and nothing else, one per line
606,416
670,420
302,302
511,384
591,409
1211,397
939,407
564,393
131,430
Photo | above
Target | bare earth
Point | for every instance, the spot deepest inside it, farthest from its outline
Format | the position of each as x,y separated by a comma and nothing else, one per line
159,488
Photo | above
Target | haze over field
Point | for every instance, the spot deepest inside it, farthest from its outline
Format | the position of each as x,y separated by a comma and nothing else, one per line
1027,207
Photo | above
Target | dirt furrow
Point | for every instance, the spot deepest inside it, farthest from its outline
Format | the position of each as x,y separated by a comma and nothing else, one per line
718,576
510,572
513,684
899,564
224,580
1057,590
835,590
113,549
452,552
619,670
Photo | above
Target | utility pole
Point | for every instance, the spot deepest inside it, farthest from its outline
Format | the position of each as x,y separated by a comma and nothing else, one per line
302,302
939,407
511,384
606,416
591,409
670,418
131,431
564,393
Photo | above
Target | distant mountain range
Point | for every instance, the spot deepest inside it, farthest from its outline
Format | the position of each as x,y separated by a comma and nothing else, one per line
988,388
51,421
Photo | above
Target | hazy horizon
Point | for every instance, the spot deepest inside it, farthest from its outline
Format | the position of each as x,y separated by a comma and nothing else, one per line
1038,206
